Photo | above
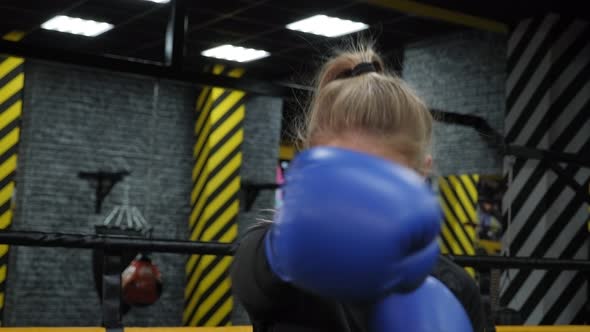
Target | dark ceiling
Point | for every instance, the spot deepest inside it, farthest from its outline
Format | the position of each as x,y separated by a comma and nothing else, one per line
140,27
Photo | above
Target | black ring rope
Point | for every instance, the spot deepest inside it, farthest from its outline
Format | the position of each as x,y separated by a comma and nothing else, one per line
119,243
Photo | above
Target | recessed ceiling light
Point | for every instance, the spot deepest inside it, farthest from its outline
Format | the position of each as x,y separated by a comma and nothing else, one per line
76,26
235,53
159,1
327,26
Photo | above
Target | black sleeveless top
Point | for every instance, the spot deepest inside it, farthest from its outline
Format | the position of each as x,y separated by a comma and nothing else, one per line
276,306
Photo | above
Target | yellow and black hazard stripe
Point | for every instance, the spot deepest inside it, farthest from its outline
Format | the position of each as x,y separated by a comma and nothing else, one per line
458,198
214,200
12,80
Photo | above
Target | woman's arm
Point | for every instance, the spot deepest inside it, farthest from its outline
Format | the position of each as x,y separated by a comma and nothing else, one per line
258,289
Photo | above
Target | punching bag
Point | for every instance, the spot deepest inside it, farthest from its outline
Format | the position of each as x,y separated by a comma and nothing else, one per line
141,282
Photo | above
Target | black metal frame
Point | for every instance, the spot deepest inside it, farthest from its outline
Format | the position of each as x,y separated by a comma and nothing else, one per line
114,249
539,154
496,140
114,246
111,290
113,243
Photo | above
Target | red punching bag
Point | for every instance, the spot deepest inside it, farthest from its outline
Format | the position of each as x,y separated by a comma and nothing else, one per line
141,282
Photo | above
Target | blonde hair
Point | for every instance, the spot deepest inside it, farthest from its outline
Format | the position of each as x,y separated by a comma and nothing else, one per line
378,104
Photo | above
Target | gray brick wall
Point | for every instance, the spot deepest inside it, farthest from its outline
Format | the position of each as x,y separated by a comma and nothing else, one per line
461,73
75,120
262,131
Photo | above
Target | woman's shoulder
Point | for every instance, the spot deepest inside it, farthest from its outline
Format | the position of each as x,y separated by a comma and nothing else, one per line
453,276
458,281
464,287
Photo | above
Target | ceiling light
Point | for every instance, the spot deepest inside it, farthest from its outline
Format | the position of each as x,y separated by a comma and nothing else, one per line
159,1
76,26
327,26
235,53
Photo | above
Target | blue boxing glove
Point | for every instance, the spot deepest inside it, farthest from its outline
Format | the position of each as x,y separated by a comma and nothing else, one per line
430,308
353,226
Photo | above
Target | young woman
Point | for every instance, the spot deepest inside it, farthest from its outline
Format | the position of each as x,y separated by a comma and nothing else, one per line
352,245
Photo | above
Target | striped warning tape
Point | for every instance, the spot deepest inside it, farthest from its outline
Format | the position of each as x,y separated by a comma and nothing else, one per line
12,79
547,107
458,198
214,200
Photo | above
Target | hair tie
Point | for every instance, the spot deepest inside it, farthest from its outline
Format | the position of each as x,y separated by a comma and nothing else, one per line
362,68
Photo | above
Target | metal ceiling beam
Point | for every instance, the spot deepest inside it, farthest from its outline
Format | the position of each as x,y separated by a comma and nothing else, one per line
206,24
153,69
175,34
441,14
